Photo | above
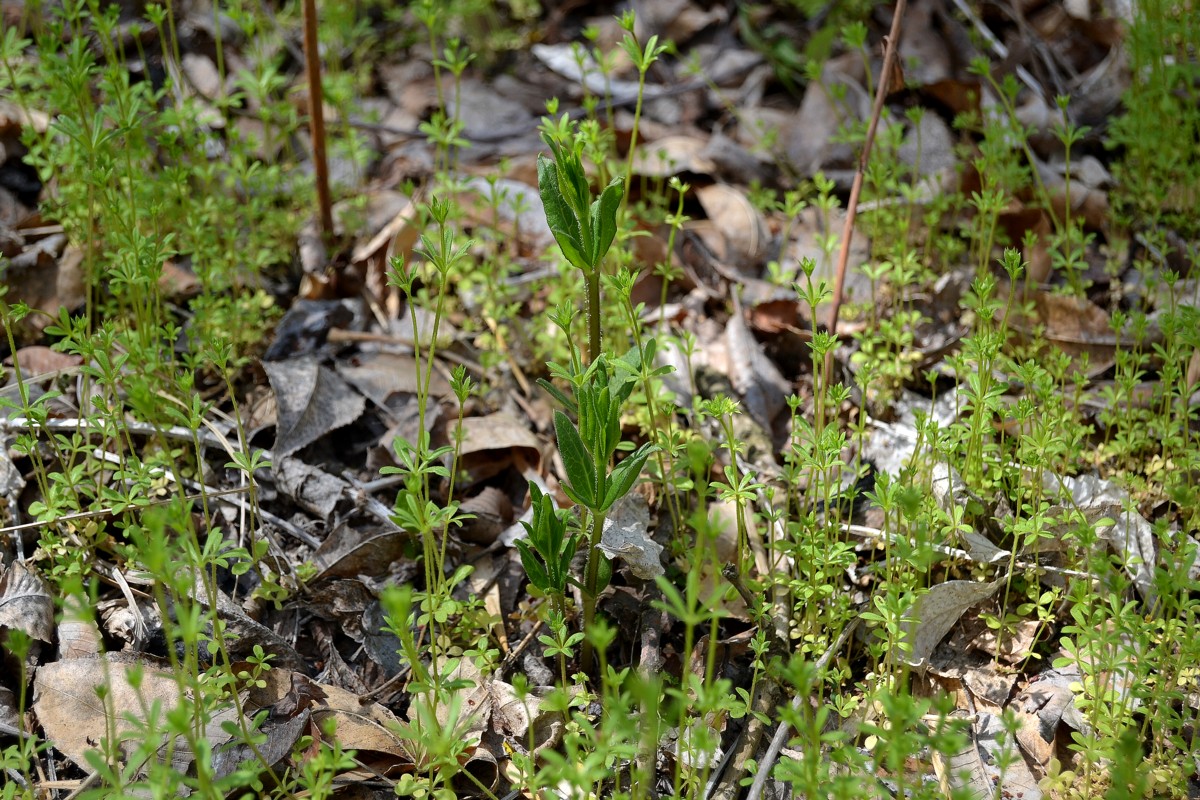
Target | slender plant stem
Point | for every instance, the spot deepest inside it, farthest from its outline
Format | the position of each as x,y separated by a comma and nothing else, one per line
587,655
316,119
593,301
881,92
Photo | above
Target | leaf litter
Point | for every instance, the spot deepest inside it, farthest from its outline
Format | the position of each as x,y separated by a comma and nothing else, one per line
337,398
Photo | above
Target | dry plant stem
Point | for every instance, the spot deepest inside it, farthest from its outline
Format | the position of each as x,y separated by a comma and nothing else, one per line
316,119
881,92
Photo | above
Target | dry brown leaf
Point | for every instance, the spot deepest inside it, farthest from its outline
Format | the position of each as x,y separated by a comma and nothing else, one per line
312,401
47,276
490,511
672,155
488,443
761,385
380,376
974,769
310,487
26,604
75,720
390,227
739,222
808,139
1075,325
78,636
347,553
38,360
935,613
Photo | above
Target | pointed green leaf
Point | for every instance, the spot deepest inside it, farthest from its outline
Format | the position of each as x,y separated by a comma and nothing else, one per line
581,469
559,395
620,481
604,219
563,222
533,569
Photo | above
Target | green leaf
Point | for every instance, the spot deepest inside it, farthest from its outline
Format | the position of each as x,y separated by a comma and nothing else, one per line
604,219
563,222
624,474
559,395
585,500
533,569
563,568
604,571
581,469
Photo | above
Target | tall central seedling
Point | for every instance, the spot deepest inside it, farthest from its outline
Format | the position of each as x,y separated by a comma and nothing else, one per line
584,229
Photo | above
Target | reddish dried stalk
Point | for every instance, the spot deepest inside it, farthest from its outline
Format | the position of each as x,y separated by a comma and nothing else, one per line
881,93
316,118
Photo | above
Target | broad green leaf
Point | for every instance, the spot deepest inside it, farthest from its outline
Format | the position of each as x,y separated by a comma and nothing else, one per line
586,500
533,569
604,219
581,469
563,222
620,481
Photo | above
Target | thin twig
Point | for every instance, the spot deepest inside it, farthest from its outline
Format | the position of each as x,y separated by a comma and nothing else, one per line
316,119
881,93
781,734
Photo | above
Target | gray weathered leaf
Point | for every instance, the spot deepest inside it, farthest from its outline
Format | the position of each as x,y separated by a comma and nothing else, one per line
25,603
312,401
626,536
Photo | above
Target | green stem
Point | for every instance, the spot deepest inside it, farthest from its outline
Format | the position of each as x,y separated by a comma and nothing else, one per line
593,292
587,655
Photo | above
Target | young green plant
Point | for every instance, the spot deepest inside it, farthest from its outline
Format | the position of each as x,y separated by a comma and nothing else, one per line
584,228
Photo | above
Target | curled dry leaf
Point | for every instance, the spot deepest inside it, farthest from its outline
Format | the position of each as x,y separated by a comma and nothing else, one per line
741,224
26,604
936,612
627,537
78,636
312,401
311,488
488,443
1130,536
755,377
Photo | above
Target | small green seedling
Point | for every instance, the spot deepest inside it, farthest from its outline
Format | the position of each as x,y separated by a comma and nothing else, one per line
547,553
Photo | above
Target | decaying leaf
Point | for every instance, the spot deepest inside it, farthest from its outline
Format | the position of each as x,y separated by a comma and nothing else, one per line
762,386
740,223
1131,536
312,489
627,537
936,612
312,401
488,443
25,602
76,720
976,768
